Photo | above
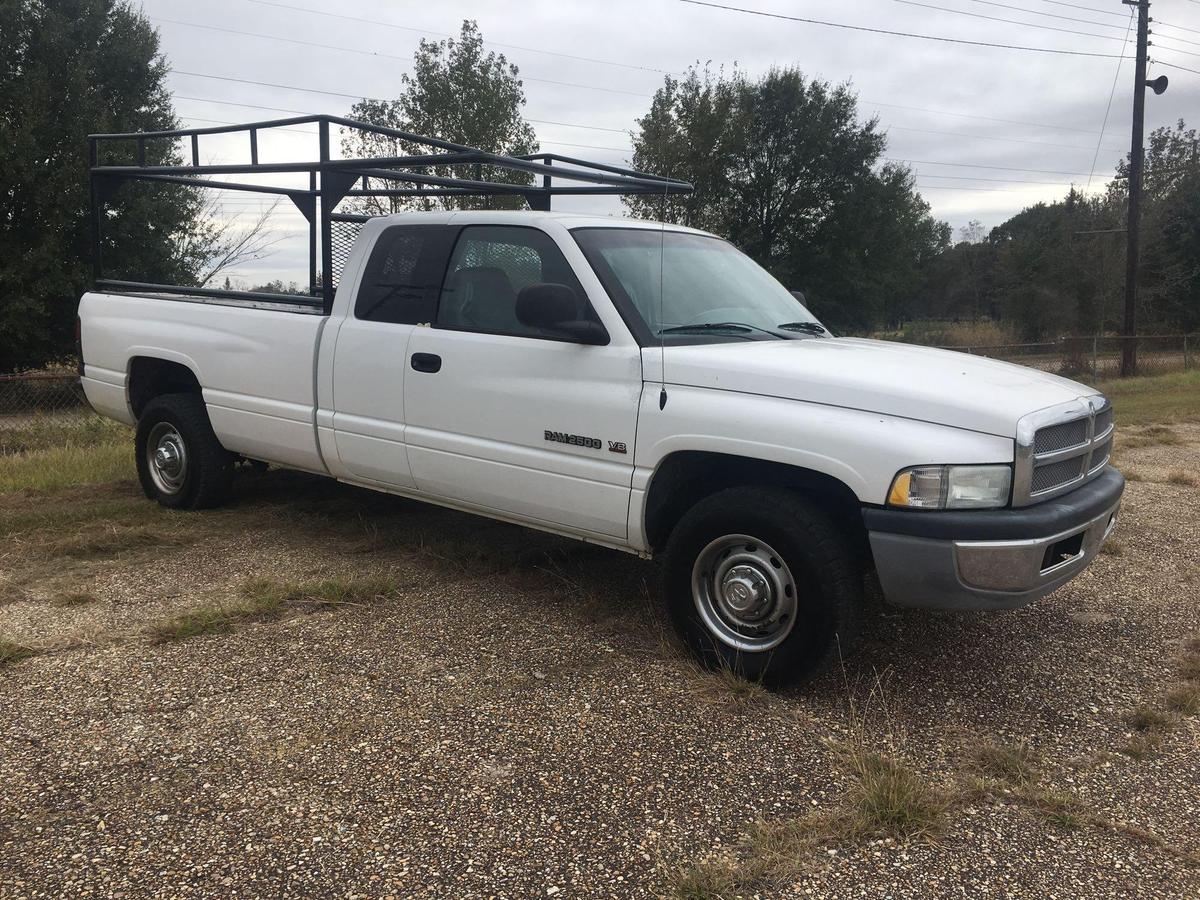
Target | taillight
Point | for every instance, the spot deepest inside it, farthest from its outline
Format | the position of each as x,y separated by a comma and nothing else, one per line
79,345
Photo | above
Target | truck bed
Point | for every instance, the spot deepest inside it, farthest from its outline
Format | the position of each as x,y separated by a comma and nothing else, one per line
256,364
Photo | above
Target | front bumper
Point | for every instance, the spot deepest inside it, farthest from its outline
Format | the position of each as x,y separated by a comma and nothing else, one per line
991,559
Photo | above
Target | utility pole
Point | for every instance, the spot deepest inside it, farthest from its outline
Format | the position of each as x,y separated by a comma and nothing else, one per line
1136,161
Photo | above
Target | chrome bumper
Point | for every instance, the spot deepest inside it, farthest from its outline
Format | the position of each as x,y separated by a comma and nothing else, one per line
981,574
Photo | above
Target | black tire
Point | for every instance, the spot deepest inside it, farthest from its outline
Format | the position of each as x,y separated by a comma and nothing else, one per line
796,539
205,477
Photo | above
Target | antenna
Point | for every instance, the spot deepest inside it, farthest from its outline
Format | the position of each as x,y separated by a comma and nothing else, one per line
662,338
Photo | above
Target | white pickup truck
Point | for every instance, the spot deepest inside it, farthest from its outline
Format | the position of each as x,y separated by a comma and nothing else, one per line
645,387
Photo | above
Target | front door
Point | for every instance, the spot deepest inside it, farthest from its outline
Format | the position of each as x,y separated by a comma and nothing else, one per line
509,416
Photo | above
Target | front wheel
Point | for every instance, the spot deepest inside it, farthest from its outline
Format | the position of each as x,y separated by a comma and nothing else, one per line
180,462
762,582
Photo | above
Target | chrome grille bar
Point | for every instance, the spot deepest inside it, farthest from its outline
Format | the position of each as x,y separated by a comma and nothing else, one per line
1060,448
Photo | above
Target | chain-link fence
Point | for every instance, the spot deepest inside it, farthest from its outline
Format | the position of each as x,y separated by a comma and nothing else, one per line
55,398
1098,357
32,401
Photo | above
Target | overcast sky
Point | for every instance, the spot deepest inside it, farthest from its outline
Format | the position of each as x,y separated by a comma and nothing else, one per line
938,102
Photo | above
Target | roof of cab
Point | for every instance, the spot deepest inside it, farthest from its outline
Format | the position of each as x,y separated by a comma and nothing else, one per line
533,217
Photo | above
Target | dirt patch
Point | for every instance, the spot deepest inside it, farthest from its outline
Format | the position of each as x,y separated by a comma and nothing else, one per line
512,716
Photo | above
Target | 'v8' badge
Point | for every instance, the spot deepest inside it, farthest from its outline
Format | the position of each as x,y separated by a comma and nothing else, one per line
617,447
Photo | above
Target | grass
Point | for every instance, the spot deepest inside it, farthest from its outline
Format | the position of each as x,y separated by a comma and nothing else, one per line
12,651
1179,476
1013,763
83,429
58,468
1113,547
708,880
1189,666
77,598
1155,399
1184,698
1148,719
262,600
106,539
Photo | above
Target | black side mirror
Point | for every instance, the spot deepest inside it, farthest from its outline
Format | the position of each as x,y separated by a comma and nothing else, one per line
558,308
799,295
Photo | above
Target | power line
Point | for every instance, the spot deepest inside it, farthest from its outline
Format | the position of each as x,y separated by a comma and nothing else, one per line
907,34
1161,46
1034,12
1091,9
943,112
305,112
1159,62
1108,108
591,59
999,180
359,96
933,162
1163,24
334,47
984,137
963,12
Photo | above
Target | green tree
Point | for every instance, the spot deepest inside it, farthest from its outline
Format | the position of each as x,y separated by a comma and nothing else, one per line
783,168
68,68
458,93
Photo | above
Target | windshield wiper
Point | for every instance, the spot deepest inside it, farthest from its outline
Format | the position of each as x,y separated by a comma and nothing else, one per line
807,327
716,326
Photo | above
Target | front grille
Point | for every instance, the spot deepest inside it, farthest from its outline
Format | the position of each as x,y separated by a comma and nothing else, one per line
1052,475
1100,455
1059,437
1073,446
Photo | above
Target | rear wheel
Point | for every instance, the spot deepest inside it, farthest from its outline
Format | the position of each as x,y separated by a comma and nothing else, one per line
761,581
180,462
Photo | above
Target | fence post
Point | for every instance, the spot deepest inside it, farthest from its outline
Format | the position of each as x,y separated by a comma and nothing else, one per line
1187,362
1095,347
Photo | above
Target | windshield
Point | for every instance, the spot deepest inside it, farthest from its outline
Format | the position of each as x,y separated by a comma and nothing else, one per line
706,283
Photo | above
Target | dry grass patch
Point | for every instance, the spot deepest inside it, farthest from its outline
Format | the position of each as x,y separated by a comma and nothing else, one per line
1189,667
78,598
1013,763
1184,698
1113,548
107,539
1152,436
1059,808
708,880
1148,719
1179,476
263,600
12,650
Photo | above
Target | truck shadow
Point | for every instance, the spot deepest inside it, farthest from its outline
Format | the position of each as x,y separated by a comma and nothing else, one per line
977,657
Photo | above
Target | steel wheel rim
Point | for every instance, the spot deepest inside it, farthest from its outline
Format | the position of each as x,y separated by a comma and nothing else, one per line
166,458
744,592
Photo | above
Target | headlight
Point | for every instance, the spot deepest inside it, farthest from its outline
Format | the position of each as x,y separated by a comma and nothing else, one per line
951,487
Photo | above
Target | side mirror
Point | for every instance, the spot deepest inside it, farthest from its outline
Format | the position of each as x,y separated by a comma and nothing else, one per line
558,308
799,295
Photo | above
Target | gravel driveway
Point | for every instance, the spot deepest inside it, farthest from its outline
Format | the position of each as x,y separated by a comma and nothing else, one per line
512,718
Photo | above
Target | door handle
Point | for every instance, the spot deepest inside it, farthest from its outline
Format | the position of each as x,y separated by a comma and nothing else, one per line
426,362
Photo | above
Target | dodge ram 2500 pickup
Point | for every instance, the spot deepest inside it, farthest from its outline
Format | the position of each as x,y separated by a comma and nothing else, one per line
641,386
524,366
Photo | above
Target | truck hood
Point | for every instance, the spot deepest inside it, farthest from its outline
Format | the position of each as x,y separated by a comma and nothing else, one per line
923,383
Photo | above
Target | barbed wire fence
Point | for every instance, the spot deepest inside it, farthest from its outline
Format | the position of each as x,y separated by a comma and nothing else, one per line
55,398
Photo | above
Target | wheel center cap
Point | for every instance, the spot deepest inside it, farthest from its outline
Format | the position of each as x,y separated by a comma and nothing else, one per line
744,589
166,458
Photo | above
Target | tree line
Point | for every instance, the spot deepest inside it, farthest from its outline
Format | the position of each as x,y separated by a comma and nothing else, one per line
783,164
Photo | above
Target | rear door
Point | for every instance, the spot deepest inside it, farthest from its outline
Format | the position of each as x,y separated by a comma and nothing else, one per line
397,293
510,417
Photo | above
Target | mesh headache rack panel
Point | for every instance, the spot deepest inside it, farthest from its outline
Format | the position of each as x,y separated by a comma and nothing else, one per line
430,167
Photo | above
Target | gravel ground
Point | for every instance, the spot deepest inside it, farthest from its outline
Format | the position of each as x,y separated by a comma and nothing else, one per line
515,720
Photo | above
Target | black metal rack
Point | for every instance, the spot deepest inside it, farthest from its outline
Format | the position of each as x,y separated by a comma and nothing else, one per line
332,180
